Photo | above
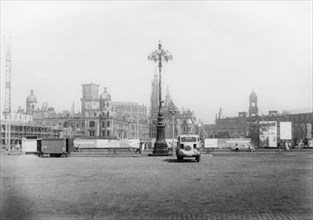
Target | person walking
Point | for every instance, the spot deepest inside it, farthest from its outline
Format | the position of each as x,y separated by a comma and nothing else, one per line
251,148
278,148
287,146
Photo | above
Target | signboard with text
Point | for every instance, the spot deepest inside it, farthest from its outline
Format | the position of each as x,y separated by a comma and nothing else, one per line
210,143
268,133
224,142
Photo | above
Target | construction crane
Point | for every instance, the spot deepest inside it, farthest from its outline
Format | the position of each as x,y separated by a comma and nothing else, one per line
7,98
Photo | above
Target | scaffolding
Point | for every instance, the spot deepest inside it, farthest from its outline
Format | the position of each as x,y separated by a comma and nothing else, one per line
18,131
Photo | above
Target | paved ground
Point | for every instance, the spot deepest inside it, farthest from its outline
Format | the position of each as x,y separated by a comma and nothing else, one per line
236,186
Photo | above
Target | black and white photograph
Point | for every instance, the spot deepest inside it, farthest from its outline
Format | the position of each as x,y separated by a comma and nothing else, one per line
185,110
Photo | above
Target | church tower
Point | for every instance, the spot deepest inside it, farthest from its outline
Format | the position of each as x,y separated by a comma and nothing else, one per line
170,110
220,114
90,109
154,99
167,101
106,120
154,105
253,107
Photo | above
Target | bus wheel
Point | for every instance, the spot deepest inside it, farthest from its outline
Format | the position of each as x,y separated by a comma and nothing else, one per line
198,159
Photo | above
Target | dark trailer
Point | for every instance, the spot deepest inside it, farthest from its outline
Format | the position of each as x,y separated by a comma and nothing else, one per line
55,147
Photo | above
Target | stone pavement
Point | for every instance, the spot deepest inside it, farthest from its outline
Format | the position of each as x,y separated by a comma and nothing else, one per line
299,215
296,215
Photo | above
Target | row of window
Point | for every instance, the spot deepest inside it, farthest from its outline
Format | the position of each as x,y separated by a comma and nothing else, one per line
92,124
95,114
103,133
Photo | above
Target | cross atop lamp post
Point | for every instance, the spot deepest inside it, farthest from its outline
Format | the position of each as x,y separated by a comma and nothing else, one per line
160,146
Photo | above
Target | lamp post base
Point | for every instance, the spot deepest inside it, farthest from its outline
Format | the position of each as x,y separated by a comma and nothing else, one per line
160,149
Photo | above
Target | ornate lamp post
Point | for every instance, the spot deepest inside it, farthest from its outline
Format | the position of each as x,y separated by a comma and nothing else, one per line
160,146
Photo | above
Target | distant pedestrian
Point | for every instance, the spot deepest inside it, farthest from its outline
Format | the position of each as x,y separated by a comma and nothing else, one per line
76,147
278,148
251,148
306,142
287,146
295,145
301,144
138,150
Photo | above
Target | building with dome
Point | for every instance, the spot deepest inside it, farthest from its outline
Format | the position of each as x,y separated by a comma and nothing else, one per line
106,113
100,117
107,119
31,103
23,123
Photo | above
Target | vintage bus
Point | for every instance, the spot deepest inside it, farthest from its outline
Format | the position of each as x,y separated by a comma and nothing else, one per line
188,146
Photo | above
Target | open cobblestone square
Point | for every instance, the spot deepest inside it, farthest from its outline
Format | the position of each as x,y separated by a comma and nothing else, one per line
236,186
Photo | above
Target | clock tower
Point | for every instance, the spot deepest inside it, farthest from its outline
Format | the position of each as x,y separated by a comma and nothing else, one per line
91,108
253,107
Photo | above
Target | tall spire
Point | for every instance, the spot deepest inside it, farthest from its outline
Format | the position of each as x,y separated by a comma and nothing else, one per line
156,71
168,91
73,109
167,97
220,113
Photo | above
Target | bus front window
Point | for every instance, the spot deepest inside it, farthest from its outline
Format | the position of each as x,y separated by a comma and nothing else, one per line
188,139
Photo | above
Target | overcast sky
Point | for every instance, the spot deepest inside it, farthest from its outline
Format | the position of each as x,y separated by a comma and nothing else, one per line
222,51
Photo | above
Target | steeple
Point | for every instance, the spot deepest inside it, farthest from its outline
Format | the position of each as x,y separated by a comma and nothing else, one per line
154,103
154,98
155,72
167,97
220,114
